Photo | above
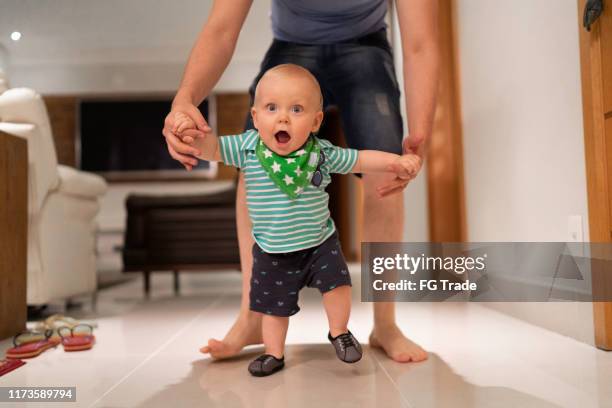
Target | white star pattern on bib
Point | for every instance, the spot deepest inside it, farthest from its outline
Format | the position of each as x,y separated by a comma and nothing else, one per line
267,153
298,171
288,179
290,161
276,167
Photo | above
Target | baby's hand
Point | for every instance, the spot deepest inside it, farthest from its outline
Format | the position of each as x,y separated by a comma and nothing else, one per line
407,166
182,126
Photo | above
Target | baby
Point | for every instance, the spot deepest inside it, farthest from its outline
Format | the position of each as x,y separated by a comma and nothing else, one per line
286,170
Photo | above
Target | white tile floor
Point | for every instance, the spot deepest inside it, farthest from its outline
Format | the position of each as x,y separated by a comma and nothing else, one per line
147,356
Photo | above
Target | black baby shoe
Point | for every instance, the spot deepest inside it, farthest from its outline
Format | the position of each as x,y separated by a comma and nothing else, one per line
347,347
266,364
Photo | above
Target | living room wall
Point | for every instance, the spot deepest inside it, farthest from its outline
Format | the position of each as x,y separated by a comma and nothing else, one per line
70,47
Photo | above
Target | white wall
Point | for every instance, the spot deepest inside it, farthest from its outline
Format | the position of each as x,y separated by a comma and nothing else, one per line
523,133
138,46
522,119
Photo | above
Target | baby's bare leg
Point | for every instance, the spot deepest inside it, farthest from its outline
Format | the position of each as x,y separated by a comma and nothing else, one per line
337,304
274,330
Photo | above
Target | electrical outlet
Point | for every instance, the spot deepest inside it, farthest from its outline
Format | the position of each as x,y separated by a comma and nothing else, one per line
574,228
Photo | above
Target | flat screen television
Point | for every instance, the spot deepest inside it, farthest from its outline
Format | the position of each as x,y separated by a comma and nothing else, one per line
122,140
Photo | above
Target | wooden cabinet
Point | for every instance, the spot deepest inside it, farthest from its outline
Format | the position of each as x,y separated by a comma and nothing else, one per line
13,234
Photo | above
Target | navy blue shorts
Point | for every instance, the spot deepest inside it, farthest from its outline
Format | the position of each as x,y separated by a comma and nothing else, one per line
277,278
358,77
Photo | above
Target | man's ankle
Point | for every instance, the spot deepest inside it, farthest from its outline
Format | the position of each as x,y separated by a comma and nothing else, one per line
384,326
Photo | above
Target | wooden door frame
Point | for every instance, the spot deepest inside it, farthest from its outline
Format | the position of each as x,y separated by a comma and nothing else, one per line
445,175
600,224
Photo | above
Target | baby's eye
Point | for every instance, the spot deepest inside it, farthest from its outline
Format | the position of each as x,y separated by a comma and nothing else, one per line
271,107
297,109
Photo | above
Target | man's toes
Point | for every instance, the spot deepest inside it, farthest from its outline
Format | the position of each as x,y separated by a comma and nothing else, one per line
402,357
215,345
421,357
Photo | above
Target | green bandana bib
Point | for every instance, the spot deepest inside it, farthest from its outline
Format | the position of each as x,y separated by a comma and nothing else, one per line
291,173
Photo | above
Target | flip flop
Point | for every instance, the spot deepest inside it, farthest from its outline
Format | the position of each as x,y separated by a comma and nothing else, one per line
30,344
77,338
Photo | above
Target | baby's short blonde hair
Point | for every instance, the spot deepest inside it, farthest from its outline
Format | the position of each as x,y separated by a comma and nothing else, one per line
293,70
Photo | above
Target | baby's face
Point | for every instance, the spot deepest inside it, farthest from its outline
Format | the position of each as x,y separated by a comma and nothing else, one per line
287,108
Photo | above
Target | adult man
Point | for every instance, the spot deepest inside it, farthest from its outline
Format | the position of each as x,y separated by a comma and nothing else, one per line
344,45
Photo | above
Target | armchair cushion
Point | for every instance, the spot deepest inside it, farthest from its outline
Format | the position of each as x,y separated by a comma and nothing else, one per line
79,183
42,164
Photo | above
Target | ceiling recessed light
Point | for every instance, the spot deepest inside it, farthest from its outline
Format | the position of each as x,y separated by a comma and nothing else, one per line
15,36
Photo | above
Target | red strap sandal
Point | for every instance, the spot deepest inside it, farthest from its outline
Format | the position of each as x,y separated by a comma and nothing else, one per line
30,344
78,338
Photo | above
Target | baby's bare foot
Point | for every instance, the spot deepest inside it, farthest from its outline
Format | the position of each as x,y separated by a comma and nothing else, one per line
397,346
245,331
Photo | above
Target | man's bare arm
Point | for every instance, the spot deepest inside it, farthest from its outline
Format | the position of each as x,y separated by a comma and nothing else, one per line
418,21
212,50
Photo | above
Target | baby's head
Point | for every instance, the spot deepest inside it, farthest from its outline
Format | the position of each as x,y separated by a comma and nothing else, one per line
288,107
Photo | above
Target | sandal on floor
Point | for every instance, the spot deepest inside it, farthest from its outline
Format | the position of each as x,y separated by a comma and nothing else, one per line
57,320
77,338
30,344
265,365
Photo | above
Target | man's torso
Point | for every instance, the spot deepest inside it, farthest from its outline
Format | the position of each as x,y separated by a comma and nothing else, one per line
326,21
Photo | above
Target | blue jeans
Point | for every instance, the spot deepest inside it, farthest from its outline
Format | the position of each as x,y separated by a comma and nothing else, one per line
358,77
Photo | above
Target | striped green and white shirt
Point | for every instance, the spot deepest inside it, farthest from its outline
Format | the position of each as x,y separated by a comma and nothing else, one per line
282,224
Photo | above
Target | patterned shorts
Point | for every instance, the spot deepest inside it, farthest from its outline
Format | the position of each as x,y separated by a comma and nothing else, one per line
277,278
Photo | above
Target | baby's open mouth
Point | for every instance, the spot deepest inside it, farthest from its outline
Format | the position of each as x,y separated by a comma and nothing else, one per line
282,137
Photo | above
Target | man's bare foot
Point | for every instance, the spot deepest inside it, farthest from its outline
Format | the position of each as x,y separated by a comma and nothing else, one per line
245,331
397,346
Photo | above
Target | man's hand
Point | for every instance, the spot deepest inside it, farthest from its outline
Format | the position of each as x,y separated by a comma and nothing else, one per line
414,145
180,121
406,167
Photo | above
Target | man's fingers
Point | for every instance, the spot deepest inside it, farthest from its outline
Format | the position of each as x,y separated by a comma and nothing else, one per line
390,187
389,191
180,147
180,156
401,171
192,133
196,116
184,159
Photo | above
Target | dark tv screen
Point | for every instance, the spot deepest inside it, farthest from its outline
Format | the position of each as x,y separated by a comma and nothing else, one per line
125,136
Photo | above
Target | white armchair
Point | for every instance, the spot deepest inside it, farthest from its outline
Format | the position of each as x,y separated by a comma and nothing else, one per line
63,203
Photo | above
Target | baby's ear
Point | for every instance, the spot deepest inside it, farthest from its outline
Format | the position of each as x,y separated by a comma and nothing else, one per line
254,116
317,121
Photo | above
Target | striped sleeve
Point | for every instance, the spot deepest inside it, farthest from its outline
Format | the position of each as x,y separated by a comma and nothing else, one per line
230,148
339,159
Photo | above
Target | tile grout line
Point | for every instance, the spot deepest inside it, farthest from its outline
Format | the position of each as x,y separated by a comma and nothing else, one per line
158,350
390,379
